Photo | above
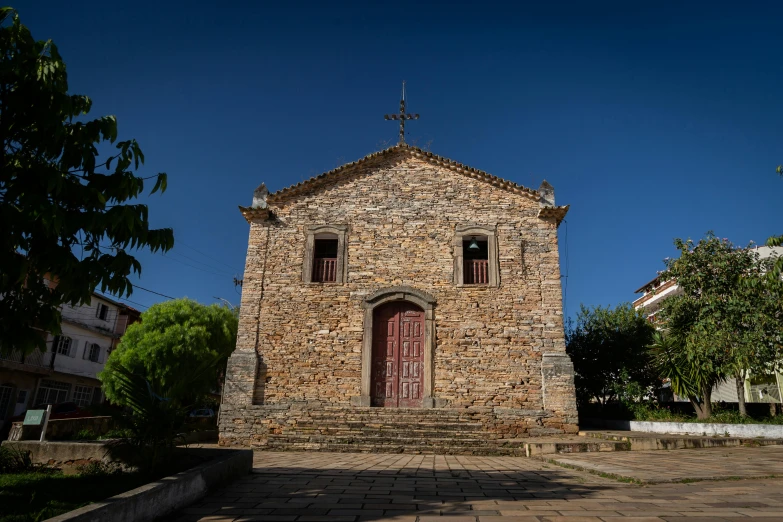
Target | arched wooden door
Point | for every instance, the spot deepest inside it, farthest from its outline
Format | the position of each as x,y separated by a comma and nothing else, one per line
398,355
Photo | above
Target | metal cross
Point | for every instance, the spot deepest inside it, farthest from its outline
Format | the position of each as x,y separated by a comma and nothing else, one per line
401,116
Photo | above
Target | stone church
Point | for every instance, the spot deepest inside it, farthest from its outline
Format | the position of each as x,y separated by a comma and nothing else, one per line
402,302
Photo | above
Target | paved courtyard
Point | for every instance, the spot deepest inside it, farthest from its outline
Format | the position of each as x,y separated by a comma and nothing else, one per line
346,487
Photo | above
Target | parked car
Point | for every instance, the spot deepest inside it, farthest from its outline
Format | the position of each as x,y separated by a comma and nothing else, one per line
202,413
63,410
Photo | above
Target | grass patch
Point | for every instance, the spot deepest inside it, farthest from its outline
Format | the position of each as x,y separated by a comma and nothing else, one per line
38,495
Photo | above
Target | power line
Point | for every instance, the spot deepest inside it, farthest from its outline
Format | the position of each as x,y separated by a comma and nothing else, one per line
152,291
194,266
205,255
197,261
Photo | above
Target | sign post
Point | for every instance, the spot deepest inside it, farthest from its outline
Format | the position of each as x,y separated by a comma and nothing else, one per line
38,418
45,423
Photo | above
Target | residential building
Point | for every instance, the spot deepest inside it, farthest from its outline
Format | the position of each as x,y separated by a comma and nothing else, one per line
67,371
758,388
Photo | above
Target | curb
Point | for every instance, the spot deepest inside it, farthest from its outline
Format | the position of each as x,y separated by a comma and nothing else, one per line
166,495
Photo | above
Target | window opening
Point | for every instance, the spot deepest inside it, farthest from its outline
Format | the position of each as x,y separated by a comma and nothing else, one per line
475,251
325,261
82,395
95,352
64,346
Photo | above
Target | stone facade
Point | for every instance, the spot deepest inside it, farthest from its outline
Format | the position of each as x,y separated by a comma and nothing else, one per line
493,348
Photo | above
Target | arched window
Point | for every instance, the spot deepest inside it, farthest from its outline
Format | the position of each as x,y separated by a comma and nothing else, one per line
63,345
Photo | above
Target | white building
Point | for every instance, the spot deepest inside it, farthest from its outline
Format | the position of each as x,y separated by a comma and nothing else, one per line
67,371
757,388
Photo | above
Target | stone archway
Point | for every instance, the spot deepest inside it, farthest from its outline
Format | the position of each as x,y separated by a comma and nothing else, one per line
387,295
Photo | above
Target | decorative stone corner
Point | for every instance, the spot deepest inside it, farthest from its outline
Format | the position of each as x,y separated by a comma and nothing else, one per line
240,382
558,390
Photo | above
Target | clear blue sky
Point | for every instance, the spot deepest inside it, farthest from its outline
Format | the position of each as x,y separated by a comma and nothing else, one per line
651,119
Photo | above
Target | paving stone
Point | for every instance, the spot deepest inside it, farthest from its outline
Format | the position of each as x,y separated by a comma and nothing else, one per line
570,495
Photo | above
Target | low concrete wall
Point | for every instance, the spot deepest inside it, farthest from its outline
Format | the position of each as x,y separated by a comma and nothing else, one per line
769,431
64,455
166,495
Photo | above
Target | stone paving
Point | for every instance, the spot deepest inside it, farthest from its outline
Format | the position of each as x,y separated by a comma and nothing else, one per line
354,487
669,466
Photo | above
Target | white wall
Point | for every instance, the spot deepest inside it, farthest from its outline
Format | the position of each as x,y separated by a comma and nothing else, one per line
88,314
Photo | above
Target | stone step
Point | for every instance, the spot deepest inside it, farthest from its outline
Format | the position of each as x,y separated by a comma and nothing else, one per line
535,449
381,439
374,426
404,433
639,441
364,447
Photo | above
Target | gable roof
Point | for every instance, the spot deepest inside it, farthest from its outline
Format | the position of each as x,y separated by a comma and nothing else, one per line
402,148
261,198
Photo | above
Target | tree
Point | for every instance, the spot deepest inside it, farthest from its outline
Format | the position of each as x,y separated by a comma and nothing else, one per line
608,349
169,345
721,321
777,270
64,214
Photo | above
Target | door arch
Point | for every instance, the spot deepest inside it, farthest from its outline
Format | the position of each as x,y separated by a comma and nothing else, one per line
397,379
424,303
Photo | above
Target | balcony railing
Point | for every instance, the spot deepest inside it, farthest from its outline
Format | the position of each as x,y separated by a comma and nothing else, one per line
325,270
476,272
34,358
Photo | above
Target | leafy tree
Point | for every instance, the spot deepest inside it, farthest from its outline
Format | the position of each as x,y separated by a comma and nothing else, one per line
608,349
65,216
774,241
170,345
725,319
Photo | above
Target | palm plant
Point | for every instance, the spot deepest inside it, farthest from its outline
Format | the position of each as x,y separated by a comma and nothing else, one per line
688,375
155,420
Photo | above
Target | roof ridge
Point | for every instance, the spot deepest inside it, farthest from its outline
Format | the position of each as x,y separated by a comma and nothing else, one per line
456,166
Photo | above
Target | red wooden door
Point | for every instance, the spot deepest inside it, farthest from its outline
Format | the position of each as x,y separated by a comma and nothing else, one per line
398,356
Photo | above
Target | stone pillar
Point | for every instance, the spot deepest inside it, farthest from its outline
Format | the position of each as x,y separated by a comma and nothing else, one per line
243,364
558,391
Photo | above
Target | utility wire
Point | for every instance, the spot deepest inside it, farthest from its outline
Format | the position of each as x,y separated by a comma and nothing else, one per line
152,291
223,274
179,242
197,261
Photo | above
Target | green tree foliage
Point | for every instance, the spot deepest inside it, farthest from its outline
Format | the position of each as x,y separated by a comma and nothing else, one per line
777,271
63,213
725,319
608,349
170,345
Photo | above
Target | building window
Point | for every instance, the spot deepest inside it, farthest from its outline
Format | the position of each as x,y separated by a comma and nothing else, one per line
476,256
94,353
52,392
325,260
63,345
325,256
475,261
82,395
5,400
102,312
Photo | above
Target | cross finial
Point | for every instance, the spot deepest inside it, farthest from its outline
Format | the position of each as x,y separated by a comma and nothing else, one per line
401,116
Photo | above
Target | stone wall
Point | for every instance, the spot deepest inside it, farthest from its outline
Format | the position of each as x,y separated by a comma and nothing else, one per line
303,341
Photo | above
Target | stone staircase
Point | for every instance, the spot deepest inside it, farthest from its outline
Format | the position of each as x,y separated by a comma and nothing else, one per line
392,431
459,432
428,431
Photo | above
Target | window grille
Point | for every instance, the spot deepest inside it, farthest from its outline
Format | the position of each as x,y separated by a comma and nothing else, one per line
82,395
52,392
